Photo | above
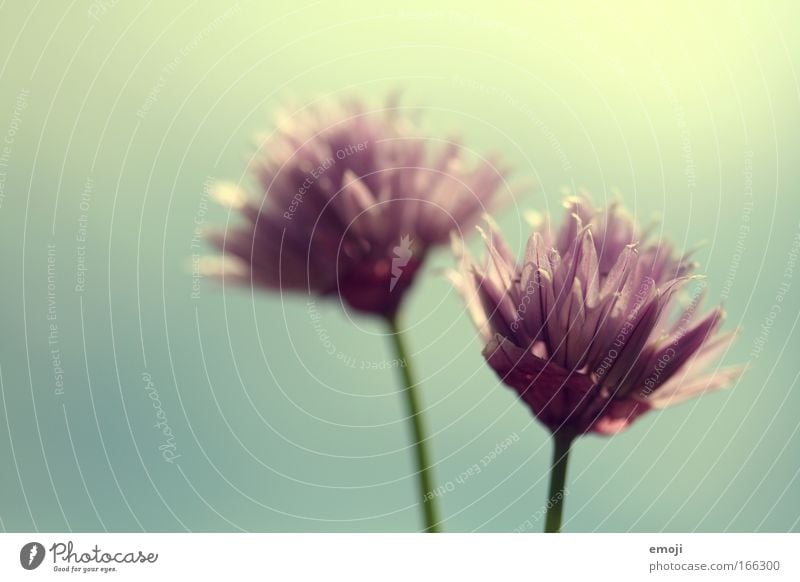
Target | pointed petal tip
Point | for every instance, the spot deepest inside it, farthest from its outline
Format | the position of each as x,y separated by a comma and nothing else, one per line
456,244
229,194
490,221
534,218
222,267
456,279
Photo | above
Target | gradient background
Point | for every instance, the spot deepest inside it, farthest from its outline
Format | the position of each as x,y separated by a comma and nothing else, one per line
690,111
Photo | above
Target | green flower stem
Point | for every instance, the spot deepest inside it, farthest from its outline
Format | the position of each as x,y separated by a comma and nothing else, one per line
424,478
562,440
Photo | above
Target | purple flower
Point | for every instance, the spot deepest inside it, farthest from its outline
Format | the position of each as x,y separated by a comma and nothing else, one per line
352,200
588,329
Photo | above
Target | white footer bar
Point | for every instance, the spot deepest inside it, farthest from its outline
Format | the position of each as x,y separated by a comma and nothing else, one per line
400,557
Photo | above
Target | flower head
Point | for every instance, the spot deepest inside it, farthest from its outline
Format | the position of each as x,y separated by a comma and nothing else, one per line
352,200
588,329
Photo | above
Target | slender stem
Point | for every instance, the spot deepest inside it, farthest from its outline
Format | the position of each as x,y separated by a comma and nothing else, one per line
562,440
424,478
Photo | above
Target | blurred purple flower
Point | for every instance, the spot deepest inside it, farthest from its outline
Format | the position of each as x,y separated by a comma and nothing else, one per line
351,201
587,329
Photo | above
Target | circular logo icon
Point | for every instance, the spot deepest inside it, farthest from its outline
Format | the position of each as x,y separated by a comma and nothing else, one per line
31,555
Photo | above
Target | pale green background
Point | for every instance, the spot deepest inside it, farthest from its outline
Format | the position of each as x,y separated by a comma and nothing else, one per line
671,103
